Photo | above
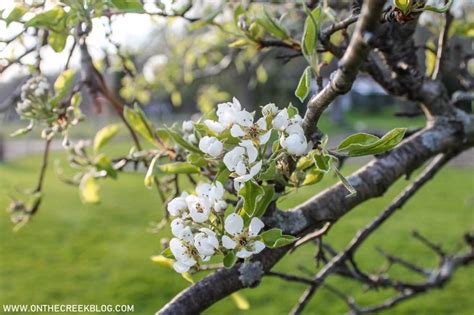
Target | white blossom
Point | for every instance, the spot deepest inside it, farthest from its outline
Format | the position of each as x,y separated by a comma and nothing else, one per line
184,254
211,146
242,240
295,144
214,193
188,126
199,208
257,132
178,206
242,161
269,110
206,242
180,230
280,121
214,126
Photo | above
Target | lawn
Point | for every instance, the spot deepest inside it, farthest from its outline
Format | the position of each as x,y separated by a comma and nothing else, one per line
72,253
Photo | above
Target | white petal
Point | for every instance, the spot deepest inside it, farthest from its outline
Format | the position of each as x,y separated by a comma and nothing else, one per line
252,151
177,227
233,157
295,144
228,243
188,126
281,120
295,128
203,189
226,114
255,226
214,126
177,248
177,206
243,179
256,169
244,118
236,131
217,192
204,144
186,234
263,139
199,208
258,247
262,123
237,185
180,267
236,104
234,224
243,253
216,148
220,206
269,109
241,169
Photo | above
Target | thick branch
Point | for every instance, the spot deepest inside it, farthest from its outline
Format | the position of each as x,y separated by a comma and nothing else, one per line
353,58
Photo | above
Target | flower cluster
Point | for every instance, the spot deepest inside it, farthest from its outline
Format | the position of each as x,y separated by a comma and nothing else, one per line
197,233
243,155
34,99
39,106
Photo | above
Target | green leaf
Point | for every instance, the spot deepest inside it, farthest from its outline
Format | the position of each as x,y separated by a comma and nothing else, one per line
104,135
274,238
292,110
50,19
130,6
196,159
311,30
163,261
187,276
179,168
89,190
16,14
57,40
62,86
223,175
264,200
270,173
359,139
442,9
139,124
366,144
150,174
167,253
104,163
230,259
313,176
322,160
178,139
272,26
240,301
251,192
206,20
304,86
345,182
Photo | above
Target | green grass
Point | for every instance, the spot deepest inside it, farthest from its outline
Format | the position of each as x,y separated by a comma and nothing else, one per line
76,254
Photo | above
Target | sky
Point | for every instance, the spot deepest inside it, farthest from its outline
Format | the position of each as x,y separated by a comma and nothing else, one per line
124,28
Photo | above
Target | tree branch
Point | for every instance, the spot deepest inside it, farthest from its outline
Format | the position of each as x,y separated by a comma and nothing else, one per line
353,58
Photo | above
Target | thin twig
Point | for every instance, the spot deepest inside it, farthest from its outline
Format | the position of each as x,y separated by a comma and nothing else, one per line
363,234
